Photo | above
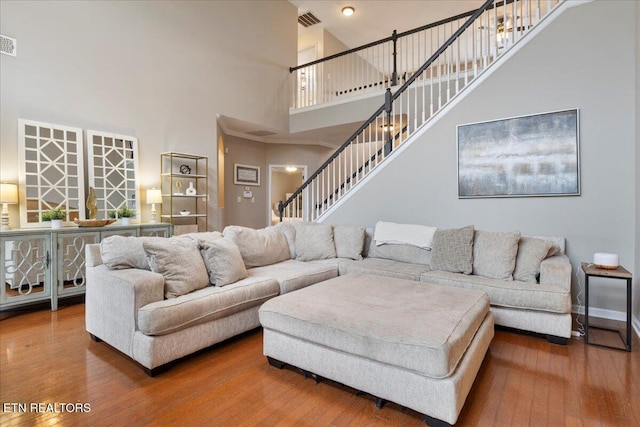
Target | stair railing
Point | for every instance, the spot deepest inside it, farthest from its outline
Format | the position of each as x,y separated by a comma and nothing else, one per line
465,53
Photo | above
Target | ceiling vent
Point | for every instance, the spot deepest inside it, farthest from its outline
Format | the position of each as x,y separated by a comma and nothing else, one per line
308,19
8,45
261,133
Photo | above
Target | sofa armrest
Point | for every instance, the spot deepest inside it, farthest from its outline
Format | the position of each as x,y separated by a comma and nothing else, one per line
112,300
556,271
92,256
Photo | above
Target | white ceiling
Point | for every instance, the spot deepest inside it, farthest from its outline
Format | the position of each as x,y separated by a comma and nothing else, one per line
373,20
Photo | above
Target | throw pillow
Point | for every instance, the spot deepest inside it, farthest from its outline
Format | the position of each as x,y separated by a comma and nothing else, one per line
223,261
289,232
531,252
349,241
258,247
120,252
452,250
180,263
314,242
494,254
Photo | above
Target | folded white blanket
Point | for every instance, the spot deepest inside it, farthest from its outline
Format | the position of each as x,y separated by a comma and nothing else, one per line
407,234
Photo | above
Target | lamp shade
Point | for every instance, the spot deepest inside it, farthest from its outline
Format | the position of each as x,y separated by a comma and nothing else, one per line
8,193
154,196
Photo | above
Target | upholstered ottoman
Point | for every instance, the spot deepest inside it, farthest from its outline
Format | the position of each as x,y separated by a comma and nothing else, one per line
411,343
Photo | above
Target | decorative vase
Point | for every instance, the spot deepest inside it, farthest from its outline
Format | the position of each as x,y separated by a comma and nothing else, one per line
191,191
56,224
126,221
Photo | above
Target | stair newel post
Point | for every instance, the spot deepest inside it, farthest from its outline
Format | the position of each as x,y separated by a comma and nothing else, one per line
394,74
280,209
388,146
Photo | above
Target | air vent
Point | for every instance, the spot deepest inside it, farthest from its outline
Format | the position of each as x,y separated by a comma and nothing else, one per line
8,45
261,133
308,19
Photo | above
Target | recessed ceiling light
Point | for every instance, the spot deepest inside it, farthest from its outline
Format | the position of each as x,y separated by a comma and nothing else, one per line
291,169
348,11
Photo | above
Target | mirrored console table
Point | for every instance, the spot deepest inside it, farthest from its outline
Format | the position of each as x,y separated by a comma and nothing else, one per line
42,264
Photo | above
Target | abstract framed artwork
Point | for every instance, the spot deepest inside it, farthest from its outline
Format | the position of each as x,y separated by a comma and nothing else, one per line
525,156
246,174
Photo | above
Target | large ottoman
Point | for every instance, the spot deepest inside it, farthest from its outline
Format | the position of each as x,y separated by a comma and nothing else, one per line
408,342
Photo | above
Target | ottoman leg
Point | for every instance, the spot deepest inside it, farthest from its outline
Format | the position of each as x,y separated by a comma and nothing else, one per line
273,362
434,422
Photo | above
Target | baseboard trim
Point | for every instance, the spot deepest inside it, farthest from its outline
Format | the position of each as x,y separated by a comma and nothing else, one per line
608,314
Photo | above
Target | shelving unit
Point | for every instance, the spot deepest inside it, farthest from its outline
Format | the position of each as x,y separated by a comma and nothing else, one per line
179,173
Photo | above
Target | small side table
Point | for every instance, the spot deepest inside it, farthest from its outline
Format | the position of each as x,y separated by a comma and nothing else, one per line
619,273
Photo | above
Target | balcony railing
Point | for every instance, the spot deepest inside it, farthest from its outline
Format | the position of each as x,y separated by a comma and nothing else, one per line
388,62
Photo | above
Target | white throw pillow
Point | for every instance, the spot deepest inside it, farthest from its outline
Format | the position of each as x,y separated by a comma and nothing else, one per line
531,252
420,236
223,261
314,242
349,241
494,254
180,263
121,252
258,247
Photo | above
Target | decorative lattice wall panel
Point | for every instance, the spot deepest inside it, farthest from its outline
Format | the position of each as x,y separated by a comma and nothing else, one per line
51,171
112,166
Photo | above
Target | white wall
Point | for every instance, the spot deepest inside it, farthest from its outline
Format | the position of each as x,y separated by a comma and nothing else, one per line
157,70
585,59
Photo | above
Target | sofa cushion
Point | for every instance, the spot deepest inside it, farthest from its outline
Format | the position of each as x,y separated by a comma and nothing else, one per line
452,250
531,252
349,241
120,252
314,242
494,254
292,275
502,293
258,247
384,267
223,261
404,234
179,261
204,305
396,252
203,236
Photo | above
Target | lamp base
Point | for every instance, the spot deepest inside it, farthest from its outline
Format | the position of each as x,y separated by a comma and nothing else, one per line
5,218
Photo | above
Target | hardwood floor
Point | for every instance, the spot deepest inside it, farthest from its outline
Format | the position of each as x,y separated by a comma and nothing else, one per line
48,358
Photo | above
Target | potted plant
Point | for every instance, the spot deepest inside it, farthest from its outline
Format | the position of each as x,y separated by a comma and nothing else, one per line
55,215
126,214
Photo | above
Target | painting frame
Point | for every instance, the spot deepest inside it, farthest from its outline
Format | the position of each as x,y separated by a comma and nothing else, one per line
535,155
246,174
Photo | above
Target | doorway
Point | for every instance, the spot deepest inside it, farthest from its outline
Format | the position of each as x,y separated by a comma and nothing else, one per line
284,180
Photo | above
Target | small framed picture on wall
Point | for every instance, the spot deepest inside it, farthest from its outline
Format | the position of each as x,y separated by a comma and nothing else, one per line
246,174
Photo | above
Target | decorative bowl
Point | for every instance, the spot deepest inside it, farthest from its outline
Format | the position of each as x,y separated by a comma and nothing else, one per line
93,222
185,213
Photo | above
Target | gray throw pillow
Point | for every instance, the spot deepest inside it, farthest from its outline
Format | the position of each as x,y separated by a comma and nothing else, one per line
258,247
531,252
494,254
180,263
223,261
314,242
452,250
349,241
121,252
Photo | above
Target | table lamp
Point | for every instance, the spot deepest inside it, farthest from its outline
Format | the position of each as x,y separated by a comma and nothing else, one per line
153,196
8,196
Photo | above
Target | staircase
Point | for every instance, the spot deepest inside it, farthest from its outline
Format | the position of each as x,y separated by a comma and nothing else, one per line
470,47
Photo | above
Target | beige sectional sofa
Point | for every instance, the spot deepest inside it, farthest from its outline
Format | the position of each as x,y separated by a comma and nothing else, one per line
153,298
